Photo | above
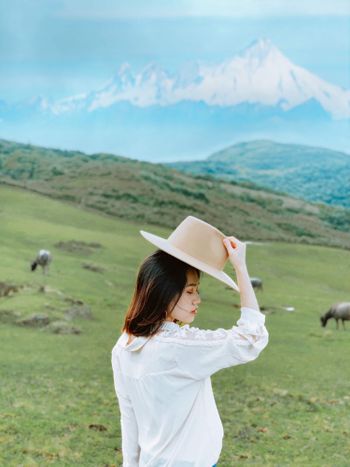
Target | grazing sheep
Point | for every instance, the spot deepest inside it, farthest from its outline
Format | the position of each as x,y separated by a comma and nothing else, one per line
256,283
337,311
42,259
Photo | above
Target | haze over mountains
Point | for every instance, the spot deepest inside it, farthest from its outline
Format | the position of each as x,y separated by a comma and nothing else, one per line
160,116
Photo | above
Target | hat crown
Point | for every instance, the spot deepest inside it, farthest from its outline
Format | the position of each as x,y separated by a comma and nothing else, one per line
198,244
200,240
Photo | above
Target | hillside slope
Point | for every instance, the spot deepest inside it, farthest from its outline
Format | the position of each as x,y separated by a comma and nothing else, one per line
312,173
57,400
156,194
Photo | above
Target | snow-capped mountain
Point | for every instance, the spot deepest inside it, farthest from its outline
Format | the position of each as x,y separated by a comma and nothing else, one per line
155,115
260,74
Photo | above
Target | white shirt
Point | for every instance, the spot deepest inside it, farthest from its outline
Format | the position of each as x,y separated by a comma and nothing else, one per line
168,412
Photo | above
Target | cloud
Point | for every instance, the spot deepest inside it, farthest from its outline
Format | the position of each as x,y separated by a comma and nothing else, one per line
111,9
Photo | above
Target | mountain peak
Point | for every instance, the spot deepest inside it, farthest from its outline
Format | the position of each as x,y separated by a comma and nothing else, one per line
260,75
260,49
124,68
261,43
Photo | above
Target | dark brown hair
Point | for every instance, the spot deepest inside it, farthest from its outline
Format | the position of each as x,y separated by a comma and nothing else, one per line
160,282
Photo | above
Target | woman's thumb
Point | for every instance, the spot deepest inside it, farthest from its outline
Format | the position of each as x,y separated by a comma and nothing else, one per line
228,245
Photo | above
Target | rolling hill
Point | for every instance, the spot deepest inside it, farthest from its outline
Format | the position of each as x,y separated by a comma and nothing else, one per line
159,195
312,173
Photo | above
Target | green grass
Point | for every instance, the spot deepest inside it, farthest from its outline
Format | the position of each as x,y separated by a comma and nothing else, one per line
289,407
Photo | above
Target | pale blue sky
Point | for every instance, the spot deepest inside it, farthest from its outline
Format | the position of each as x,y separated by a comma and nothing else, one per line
58,48
176,8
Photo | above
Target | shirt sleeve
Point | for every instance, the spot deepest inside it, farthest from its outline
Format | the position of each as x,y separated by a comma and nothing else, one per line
129,431
201,353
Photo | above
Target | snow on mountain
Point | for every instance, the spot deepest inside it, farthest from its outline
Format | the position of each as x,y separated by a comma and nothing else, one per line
150,87
69,104
39,102
260,74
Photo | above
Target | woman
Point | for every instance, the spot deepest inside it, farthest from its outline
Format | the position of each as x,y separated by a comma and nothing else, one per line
162,365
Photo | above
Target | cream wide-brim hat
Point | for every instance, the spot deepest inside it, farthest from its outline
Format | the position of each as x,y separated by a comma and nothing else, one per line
199,244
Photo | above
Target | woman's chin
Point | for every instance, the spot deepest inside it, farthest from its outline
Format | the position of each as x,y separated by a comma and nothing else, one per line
191,318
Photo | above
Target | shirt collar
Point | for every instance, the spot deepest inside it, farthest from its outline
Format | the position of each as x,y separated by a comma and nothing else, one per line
140,341
169,325
136,344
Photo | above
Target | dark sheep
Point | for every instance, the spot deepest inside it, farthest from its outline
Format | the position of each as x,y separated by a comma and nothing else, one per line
256,283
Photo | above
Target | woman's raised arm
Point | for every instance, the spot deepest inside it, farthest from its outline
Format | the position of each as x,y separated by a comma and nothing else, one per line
236,251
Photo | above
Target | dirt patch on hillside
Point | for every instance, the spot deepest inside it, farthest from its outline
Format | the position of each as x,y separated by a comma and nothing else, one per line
77,246
36,320
7,289
62,327
54,318
9,316
93,267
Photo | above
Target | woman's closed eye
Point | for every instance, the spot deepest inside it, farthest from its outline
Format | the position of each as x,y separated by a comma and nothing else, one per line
192,291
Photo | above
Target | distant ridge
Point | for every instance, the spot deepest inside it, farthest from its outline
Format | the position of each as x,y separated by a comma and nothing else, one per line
148,193
313,173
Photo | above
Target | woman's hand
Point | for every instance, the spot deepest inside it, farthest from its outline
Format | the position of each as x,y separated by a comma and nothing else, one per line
236,251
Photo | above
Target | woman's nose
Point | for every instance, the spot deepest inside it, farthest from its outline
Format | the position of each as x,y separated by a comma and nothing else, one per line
197,299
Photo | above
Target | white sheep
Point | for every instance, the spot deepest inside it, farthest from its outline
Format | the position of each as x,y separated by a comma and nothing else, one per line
43,259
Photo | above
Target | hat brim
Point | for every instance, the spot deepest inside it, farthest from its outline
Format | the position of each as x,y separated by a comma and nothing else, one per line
164,245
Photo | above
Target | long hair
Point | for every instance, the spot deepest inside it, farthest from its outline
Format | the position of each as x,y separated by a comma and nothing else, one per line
160,282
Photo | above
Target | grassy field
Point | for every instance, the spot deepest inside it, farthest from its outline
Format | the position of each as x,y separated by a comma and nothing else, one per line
57,401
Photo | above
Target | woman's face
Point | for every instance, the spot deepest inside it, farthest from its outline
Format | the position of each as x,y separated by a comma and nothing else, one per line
186,308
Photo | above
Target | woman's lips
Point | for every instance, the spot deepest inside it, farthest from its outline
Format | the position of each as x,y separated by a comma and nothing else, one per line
194,311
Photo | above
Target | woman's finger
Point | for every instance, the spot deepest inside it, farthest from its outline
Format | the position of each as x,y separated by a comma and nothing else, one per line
230,244
233,243
235,239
